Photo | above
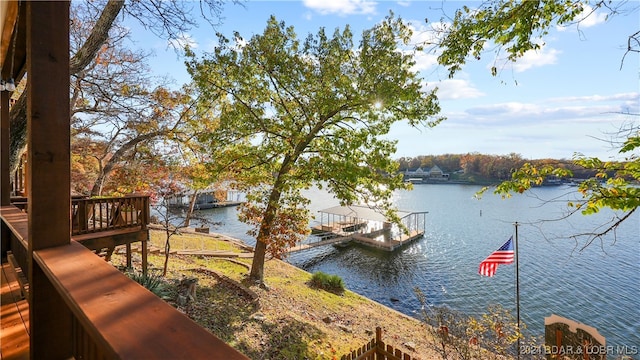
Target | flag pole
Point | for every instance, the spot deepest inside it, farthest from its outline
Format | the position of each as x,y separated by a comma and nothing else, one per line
517,291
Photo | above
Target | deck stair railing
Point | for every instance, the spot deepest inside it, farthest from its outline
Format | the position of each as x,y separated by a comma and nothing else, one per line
105,214
376,350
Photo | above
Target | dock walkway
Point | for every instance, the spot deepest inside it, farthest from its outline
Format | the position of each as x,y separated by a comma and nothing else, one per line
333,240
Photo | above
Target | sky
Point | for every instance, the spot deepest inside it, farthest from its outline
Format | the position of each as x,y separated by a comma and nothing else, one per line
566,98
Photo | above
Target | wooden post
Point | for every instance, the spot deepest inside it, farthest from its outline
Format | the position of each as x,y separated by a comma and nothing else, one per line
558,343
5,170
48,169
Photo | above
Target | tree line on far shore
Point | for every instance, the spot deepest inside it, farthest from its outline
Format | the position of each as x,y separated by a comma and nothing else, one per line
477,167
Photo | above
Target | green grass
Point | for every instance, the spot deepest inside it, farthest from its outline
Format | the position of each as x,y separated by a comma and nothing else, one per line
188,241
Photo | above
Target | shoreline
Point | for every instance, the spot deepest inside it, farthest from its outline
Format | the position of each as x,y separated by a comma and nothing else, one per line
346,321
240,243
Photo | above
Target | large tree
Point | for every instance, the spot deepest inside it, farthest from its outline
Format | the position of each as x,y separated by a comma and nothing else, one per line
516,27
312,111
167,19
122,115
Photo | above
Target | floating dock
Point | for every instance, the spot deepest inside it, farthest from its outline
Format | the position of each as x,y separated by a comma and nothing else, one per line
366,226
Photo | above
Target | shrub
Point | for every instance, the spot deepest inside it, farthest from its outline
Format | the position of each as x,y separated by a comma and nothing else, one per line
331,283
153,282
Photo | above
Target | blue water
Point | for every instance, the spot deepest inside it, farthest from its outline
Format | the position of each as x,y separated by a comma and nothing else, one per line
598,285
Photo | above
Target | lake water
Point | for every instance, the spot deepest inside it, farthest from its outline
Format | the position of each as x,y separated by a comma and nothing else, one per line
598,286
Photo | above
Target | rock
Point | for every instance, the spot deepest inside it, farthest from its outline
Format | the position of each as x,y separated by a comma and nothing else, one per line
327,320
259,317
202,229
410,345
394,299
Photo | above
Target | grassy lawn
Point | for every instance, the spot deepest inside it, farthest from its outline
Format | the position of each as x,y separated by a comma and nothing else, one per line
290,320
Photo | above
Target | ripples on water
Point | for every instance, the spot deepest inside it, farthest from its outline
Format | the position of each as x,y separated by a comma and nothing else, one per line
598,286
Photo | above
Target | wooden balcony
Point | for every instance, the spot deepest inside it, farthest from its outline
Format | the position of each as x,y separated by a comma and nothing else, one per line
99,224
103,224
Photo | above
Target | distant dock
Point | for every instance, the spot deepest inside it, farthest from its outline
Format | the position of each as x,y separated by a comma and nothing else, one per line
216,204
205,199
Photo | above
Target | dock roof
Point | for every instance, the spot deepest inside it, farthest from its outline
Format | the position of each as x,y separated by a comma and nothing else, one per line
362,212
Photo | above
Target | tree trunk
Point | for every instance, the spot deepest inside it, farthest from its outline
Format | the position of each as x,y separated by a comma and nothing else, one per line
259,253
99,34
167,249
96,190
257,266
192,204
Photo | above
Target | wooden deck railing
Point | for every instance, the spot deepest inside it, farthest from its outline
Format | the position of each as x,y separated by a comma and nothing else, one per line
19,183
105,214
109,315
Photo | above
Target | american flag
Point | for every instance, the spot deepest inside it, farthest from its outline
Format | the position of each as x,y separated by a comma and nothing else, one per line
504,255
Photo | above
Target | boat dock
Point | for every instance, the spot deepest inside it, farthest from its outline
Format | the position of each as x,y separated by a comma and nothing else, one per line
206,199
365,226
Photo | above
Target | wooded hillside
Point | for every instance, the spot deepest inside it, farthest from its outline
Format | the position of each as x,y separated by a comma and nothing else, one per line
483,167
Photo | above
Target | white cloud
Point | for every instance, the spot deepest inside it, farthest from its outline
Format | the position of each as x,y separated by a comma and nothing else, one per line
404,3
587,18
455,89
426,33
424,61
517,112
241,43
630,96
341,7
536,58
182,41
504,109
590,17
622,103
546,128
211,45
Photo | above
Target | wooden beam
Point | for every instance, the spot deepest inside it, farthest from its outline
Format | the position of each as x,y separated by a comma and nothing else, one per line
48,171
5,172
48,123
